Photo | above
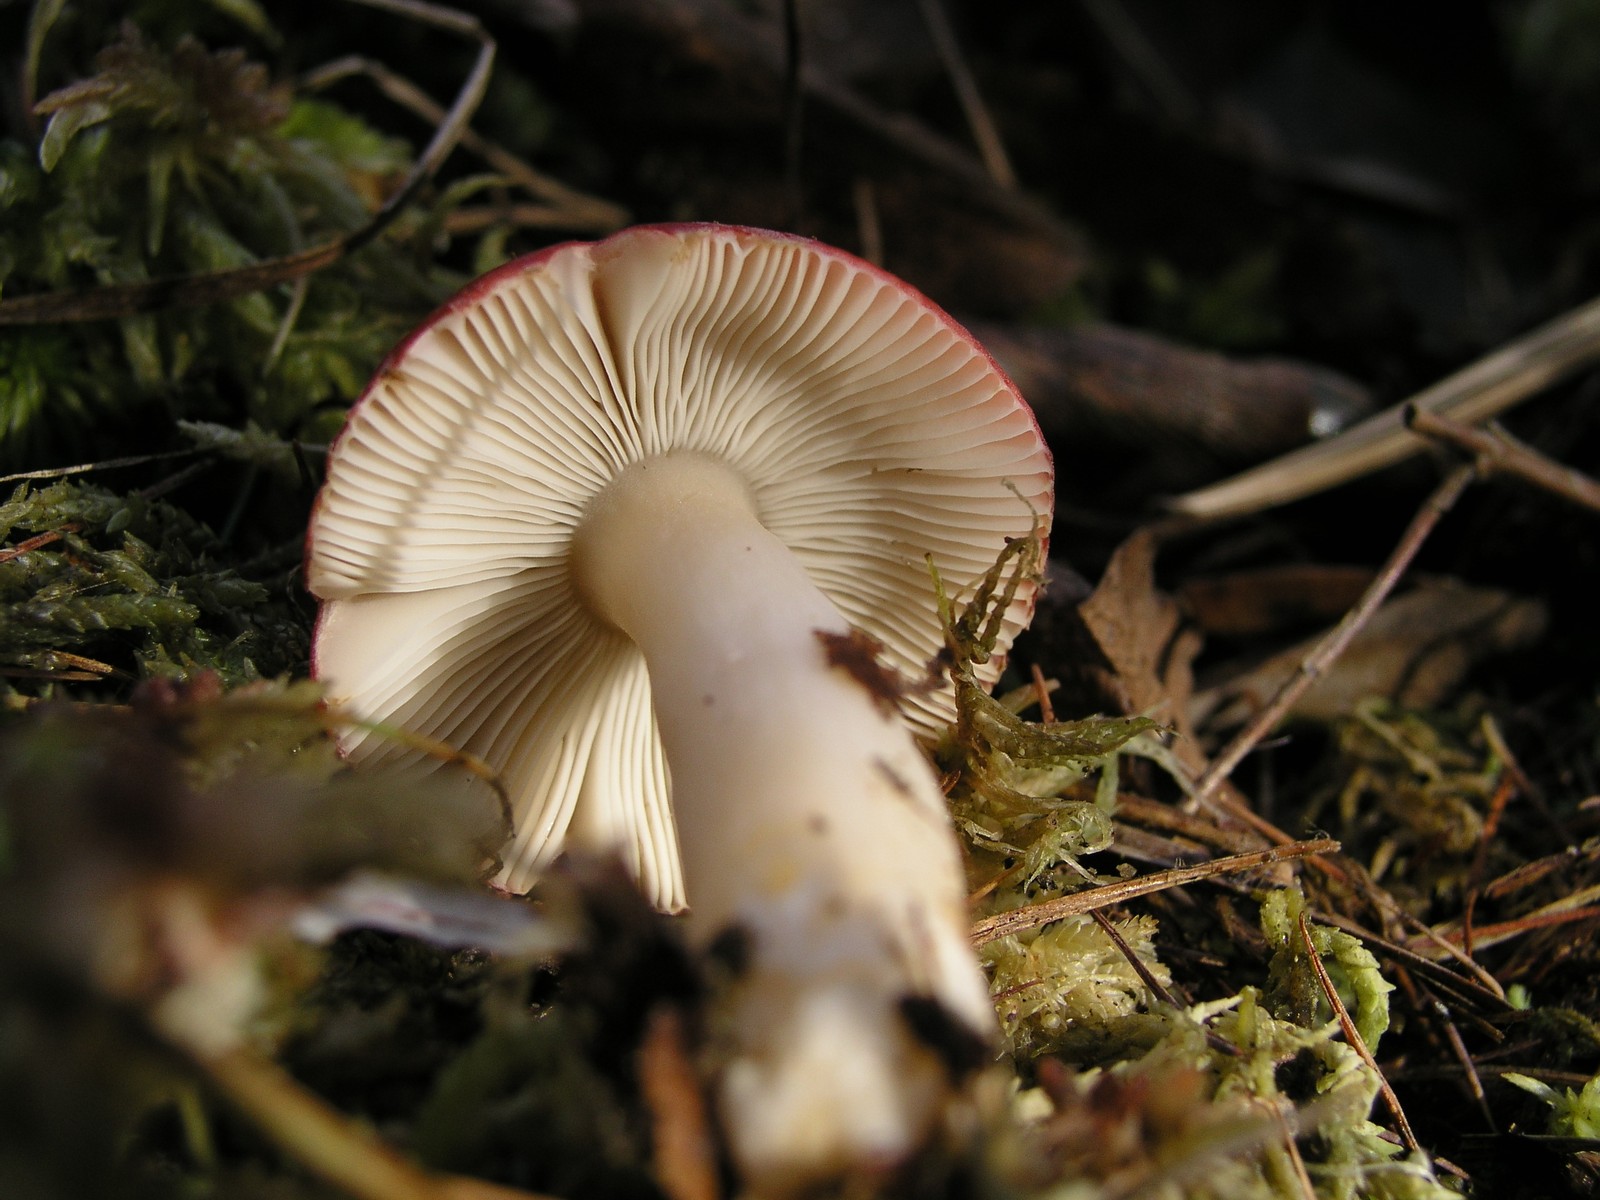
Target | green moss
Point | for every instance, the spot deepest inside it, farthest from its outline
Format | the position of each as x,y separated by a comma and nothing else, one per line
167,159
1011,775
1069,989
1293,985
136,586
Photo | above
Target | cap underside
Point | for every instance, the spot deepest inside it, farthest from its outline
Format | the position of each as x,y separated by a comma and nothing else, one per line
871,432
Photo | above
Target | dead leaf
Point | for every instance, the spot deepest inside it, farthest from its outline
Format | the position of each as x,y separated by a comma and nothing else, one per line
1148,653
1414,651
1136,629
1273,599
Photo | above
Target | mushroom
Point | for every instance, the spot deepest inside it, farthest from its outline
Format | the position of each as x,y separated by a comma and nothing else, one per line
660,508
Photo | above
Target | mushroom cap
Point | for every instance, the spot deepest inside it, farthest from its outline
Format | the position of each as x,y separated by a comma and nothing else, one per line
870,428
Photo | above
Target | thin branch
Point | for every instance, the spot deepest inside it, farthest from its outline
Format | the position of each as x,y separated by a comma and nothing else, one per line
334,718
1297,1162
1323,655
1496,450
1552,914
1505,788
478,217
1140,967
1482,989
38,541
683,1145
1526,787
1139,54
1156,988
1041,691
1019,920
1392,910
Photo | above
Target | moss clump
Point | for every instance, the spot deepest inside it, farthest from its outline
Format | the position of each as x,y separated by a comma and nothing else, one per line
166,160
94,585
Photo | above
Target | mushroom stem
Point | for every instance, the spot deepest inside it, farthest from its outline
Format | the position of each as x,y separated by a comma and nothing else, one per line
815,840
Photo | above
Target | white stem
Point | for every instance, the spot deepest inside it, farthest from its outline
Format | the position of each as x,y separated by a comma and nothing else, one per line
812,830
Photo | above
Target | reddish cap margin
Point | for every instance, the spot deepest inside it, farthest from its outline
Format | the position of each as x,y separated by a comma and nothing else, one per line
472,292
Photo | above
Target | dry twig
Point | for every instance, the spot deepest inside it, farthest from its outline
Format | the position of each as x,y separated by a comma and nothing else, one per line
1019,920
721,30
38,541
331,1145
1297,1161
1505,788
1325,652
107,464
683,1146
1458,1047
1495,450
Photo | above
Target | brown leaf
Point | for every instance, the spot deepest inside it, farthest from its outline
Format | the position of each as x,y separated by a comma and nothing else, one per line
1137,631
1148,651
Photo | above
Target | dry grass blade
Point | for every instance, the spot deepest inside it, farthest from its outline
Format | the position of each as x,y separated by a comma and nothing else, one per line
869,223
1297,1162
126,300
1144,62
1503,931
1353,1036
984,130
1503,792
1156,988
1458,1047
63,665
106,464
1140,967
1020,920
1482,991
1477,392
335,718
1188,1159
721,29
476,218
1396,915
